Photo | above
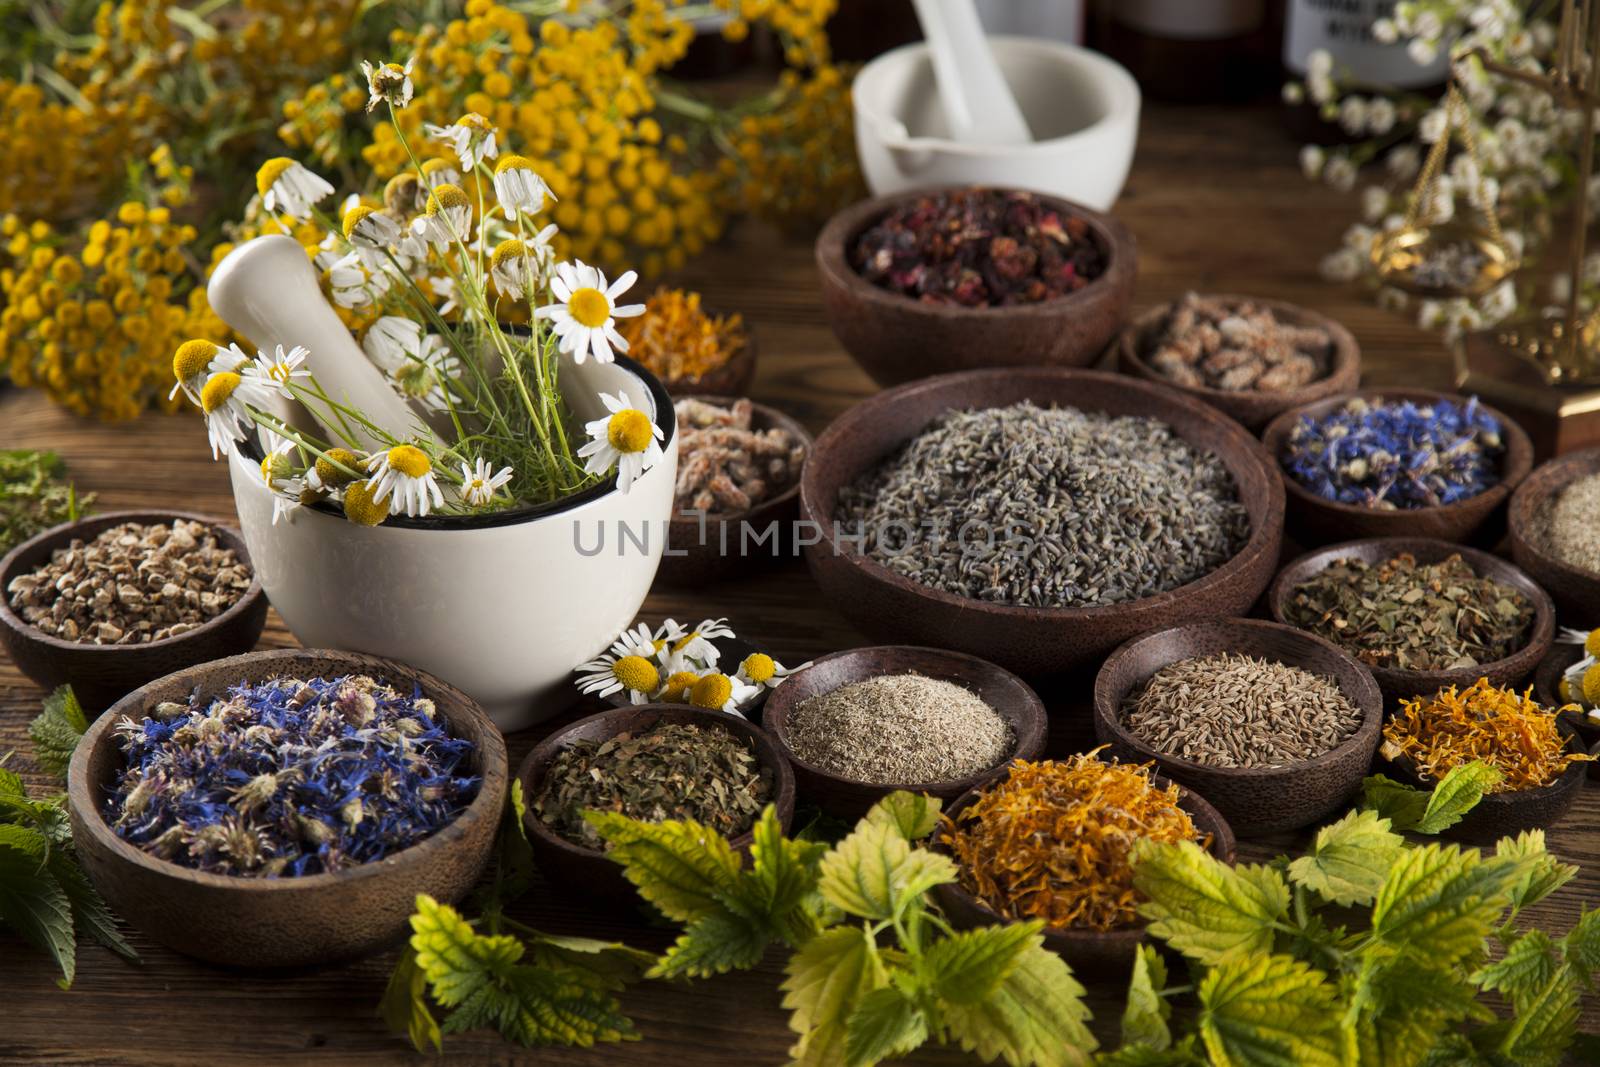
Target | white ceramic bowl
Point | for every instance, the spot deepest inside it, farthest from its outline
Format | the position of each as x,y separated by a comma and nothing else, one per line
1082,107
501,606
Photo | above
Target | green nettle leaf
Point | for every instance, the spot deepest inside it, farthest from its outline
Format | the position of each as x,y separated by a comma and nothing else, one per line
914,815
829,974
1207,910
56,731
1406,1006
1349,859
874,873
1524,970
610,963
90,915
32,902
1035,1016
1269,1011
11,786
783,877
1582,943
885,1023
686,870
1182,1054
968,965
1144,1018
1456,794
404,1006
715,943
1546,873
457,960
1546,1022
1442,901
1401,804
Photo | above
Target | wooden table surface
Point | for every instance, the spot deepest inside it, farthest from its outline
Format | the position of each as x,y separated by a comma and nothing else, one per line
1217,204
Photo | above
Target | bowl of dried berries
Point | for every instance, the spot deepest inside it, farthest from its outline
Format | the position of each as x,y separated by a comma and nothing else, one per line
1276,727
963,279
738,489
285,808
1397,463
1038,517
110,602
1554,521
1420,614
1053,840
1252,359
649,762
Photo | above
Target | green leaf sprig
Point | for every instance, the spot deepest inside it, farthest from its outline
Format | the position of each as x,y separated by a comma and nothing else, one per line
56,731
34,495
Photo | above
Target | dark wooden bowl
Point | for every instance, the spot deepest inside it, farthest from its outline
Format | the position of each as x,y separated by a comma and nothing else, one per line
1315,521
1575,590
282,922
1341,374
897,338
705,548
103,674
1547,690
1104,954
733,653
849,798
1500,815
733,378
1400,685
587,873
1254,800
1033,642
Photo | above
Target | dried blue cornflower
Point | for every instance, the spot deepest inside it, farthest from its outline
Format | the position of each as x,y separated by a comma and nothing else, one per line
289,777
1396,454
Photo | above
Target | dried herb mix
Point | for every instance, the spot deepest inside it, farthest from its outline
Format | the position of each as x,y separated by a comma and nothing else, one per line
1568,524
900,729
1410,616
34,495
1240,711
677,340
289,777
1047,507
670,771
725,464
1237,348
1053,839
978,248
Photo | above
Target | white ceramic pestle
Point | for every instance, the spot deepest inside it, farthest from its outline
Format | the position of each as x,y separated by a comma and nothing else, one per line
978,104
267,290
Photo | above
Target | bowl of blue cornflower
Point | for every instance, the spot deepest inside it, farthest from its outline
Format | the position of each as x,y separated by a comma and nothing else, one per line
1397,463
285,808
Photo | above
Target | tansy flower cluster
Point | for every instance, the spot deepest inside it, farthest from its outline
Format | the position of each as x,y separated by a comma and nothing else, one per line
675,664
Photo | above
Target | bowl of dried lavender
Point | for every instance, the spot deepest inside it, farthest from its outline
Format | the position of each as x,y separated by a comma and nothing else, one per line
110,602
964,279
1274,726
1249,358
1397,463
285,808
1421,614
1554,521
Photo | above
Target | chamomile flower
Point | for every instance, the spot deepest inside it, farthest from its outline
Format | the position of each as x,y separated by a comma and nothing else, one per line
369,228
518,186
223,398
471,137
388,83
480,482
760,669
437,172
716,691
354,284
697,646
628,439
197,360
278,474
611,673
405,477
279,369
446,219
419,364
364,507
585,319
514,262
676,689
288,188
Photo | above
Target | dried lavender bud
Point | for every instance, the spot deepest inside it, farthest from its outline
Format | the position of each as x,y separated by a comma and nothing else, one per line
725,465
1236,348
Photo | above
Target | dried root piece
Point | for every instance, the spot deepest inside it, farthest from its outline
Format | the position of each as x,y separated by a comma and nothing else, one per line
1242,348
728,466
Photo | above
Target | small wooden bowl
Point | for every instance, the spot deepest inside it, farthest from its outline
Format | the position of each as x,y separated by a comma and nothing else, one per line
1575,590
733,652
1254,800
1400,685
282,922
1547,690
849,798
102,674
1315,521
1105,954
1033,642
1500,815
1341,375
587,872
897,338
733,378
705,548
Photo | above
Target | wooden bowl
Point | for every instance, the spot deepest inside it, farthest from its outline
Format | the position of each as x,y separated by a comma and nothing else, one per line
586,872
1400,685
1104,954
1341,375
1254,800
849,798
282,922
733,378
897,338
705,548
101,674
733,652
1575,590
1315,521
1032,642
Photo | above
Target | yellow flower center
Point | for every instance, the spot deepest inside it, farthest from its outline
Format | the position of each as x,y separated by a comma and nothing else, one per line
1591,686
353,217
1591,644
678,686
276,465
505,252
361,508
430,167
473,121
629,431
712,691
401,193
637,673
758,667
445,196
412,462
218,388
509,162
270,172
590,307
191,359
331,475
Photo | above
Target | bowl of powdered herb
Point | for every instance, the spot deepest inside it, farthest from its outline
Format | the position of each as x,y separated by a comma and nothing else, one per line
1555,533
1038,517
1274,726
285,808
111,602
858,725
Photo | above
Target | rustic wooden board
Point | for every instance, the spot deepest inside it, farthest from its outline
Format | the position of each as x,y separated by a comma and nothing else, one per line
1216,203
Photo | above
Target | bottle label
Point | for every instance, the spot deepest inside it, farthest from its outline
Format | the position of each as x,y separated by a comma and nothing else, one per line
1191,20
1344,29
